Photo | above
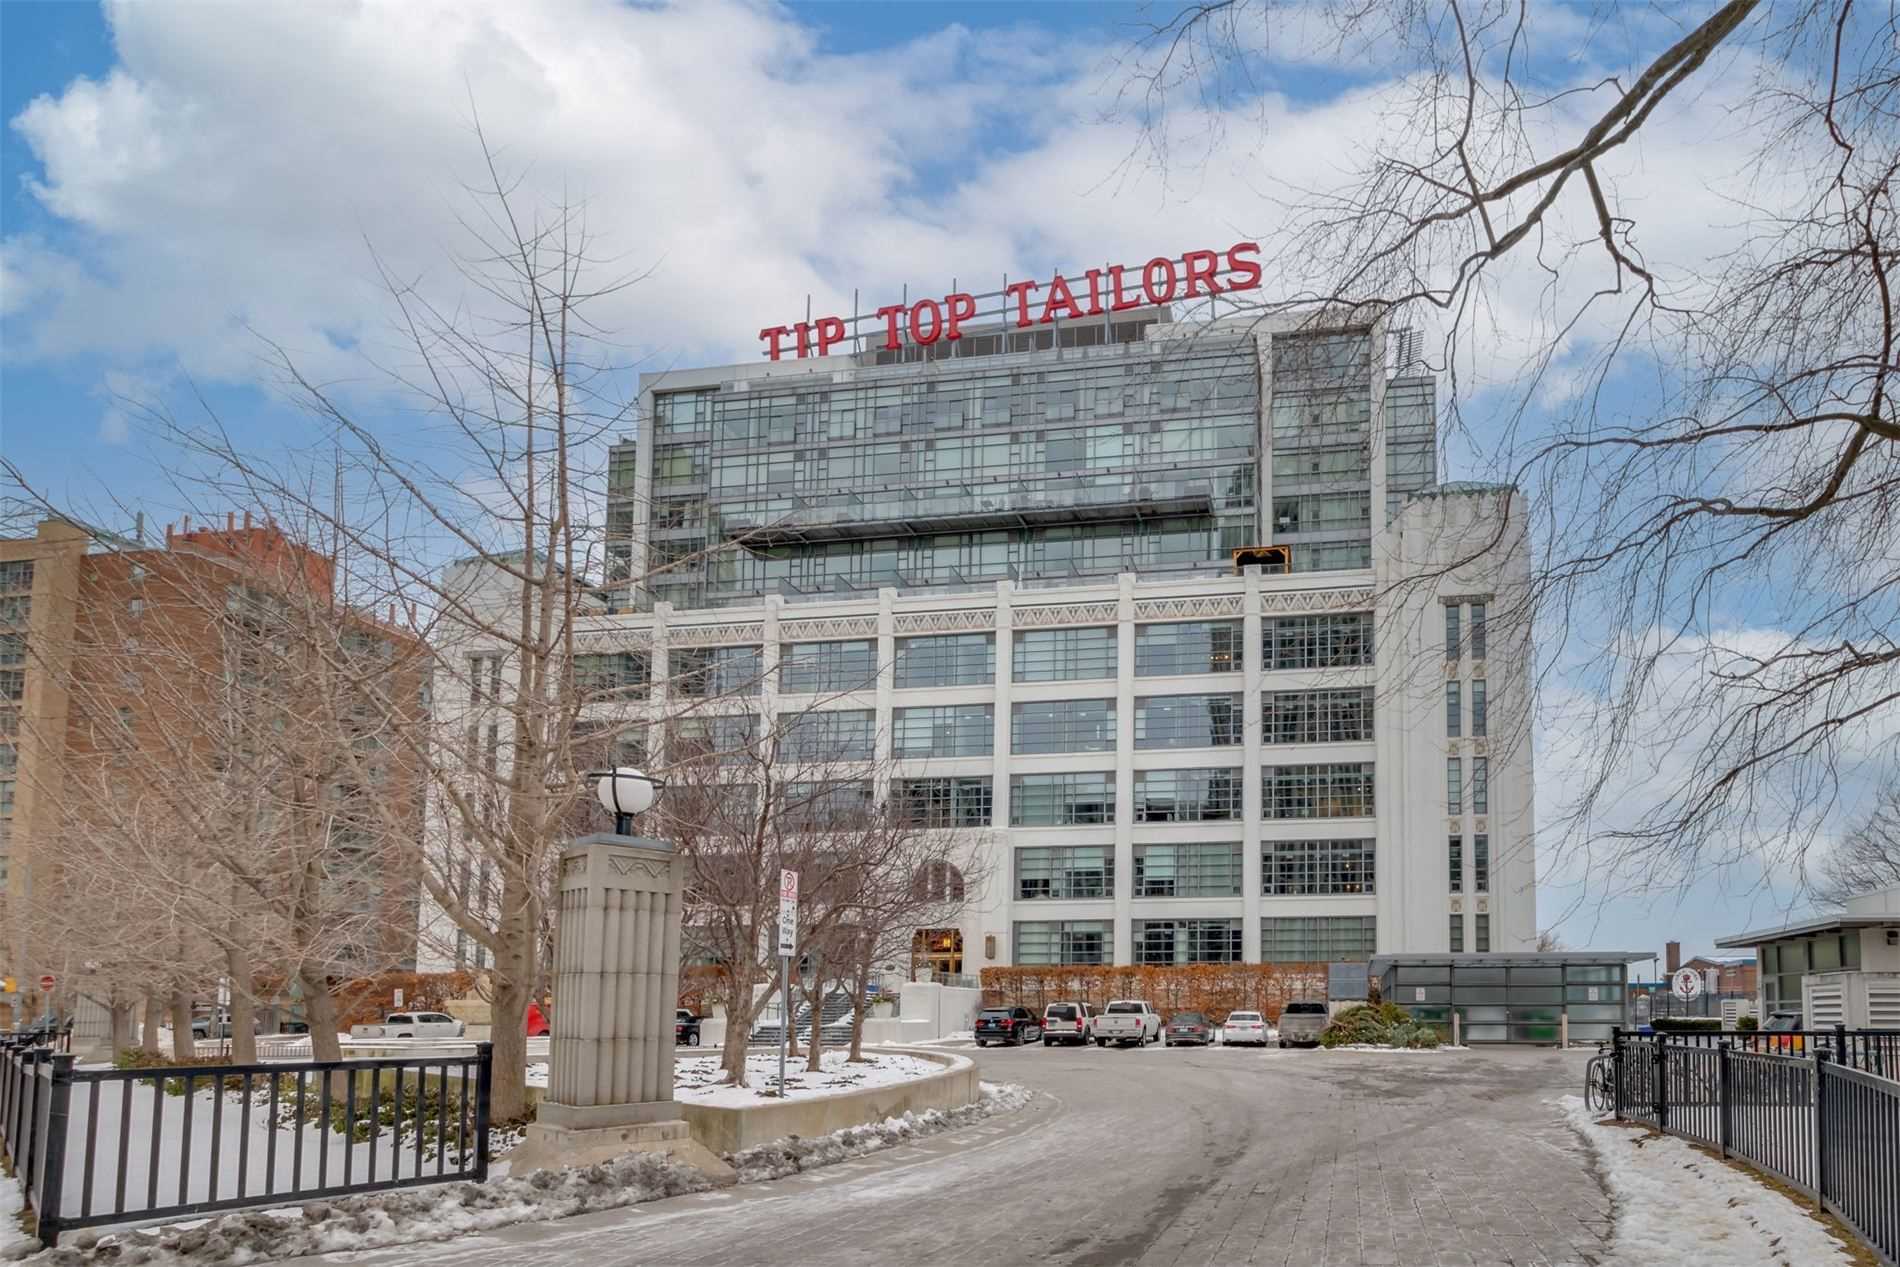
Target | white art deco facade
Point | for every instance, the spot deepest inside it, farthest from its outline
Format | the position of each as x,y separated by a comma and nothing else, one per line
1009,572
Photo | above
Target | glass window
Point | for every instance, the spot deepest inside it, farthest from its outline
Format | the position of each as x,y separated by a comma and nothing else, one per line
1457,942
812,667
1477,708
12,649
6,797
1452,710
1063,655
704,672
1187,796
1061,800
1187,870
1309,868
1187,721
946,660
1455,854
610,743
1172,941
827,804
953,802
1454,786
16,575
1483,929
728,735
1481,785
1343,716
1207,646
1070,725
1452,648
1066,871
1477,631
624,673
1318,938
1318,642
1064,941
12,684
1317,791
838,735
944,730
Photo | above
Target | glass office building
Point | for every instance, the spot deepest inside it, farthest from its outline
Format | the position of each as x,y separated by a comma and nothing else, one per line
1006,566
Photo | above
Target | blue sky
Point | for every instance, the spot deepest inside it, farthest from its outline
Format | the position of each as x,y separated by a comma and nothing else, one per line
181,180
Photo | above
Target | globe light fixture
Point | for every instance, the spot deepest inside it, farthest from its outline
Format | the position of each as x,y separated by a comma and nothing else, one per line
624,792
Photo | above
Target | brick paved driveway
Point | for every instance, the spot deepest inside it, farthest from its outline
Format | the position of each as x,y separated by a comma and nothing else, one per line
1160,1156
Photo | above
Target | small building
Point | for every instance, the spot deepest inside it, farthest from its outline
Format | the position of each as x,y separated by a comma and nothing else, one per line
1518,997
1840,969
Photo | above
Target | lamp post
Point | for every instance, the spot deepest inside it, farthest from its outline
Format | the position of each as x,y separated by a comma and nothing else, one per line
624,792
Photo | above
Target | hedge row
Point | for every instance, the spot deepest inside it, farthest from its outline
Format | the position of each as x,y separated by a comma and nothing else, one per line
1211,988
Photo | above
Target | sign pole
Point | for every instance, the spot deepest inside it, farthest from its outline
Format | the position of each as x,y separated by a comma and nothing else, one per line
784,1030
787,947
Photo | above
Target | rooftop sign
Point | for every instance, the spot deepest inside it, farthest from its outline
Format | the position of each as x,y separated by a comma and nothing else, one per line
1026,304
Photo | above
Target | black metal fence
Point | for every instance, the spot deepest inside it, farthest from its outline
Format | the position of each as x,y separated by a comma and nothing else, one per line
1876,1051
1832,1131
100,1146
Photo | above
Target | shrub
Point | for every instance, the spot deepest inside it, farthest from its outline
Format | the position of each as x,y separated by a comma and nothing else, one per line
1378,1024
1748,1023
1685,1024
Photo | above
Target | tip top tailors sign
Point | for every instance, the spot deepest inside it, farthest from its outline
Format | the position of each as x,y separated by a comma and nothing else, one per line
1026,304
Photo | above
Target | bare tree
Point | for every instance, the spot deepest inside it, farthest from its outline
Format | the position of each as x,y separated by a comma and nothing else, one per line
1716,481
1867,858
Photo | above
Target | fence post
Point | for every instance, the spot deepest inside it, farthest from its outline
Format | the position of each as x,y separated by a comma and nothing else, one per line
1840,1046
46,1201
1722,1097
1616,1067
484,1085
1662,1084
1819,1137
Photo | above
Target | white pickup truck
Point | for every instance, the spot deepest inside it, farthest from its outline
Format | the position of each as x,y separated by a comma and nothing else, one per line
411,1025
1127,1022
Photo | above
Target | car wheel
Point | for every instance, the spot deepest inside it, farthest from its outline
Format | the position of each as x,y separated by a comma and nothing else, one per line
1101,1042
1283,1044
692,1039
984,1042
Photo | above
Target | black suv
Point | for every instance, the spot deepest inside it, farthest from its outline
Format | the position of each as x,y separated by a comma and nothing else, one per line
685,1028
1007,1025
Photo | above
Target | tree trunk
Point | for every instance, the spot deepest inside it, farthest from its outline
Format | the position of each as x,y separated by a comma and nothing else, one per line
860,987
121,1028
243,1007
319,1011
509,989
741,1011
183,1048
148,1032
815,998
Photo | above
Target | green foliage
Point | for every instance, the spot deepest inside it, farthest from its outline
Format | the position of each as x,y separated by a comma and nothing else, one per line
139,1058
1378,1024
1748,1023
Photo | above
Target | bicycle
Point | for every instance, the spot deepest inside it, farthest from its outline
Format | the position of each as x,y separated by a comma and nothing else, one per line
1599,1080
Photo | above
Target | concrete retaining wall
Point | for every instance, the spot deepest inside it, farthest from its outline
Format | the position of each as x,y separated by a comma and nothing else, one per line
729,1130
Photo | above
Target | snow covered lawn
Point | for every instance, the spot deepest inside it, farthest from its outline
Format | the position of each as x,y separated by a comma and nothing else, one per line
701,1080
12,1202
1676,1204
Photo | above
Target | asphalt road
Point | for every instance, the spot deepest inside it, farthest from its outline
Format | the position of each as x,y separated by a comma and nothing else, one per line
1156,1156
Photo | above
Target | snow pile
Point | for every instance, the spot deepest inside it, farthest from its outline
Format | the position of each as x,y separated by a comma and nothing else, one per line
702,1080
13,1238
392,1218
794,1154
1399,1051
1677,1205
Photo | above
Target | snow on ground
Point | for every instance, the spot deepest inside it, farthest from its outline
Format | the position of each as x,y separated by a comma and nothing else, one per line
701,1080
1675,1204
1409,1051
437,1213
13,1238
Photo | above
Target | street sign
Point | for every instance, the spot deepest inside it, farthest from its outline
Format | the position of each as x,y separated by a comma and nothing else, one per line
46,983
1686,983
787,912
399,996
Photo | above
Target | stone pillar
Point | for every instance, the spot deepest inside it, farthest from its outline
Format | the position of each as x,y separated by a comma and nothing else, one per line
616,984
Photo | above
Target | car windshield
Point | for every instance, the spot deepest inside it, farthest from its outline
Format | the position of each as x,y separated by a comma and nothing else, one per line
1190,1018
1061,1011
994,1014
1243,1016
1306,1009
1124,1007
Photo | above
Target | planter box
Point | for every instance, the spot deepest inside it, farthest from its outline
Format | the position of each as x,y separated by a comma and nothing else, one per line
730,1130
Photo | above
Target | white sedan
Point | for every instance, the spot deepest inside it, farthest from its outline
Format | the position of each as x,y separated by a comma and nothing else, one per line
1243,1027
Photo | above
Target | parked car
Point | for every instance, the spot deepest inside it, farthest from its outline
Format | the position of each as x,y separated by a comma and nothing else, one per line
1243,1027
1007,1025
1302,1024
1187,1029
1068,1023
218,1025
538,1026
685,1027
412,1025
1128,1023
